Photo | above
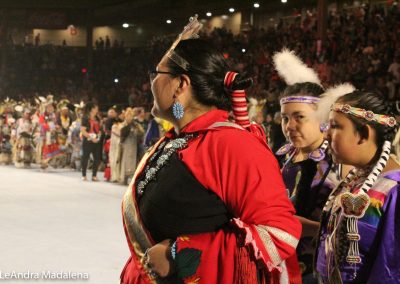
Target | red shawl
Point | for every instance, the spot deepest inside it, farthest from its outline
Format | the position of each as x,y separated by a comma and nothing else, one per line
243,172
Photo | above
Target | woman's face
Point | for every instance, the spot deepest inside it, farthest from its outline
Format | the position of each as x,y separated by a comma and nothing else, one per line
343,139
49,109
27,115
129,116
79,113
300,124
259,117
163,87
94,110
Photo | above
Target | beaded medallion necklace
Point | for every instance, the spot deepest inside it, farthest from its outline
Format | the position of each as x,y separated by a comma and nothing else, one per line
342,201
164,151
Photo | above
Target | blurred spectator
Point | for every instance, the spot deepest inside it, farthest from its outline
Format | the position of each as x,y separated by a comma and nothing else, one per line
37,39
131,142
362,43
110,120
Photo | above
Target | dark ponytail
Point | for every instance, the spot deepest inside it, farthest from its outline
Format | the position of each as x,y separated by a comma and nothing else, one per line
240,83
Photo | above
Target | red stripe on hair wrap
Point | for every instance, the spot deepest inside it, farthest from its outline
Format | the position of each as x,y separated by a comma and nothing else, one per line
239,107
241,117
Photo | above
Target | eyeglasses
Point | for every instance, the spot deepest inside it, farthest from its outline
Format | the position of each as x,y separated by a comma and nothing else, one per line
154,73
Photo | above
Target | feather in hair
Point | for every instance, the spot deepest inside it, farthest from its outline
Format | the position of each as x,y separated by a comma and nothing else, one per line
292,69
330,96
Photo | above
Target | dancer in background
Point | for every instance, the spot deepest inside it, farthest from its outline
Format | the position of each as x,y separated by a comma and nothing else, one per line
131,140
90,129
74,140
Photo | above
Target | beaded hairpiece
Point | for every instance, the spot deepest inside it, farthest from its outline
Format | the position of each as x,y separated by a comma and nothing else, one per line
299,99
328,98
365,114
238,99
189,31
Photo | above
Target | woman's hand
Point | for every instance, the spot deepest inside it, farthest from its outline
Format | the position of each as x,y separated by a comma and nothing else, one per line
310,228
159,260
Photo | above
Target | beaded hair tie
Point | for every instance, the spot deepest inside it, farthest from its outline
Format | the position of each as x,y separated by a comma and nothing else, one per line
238,99
299,99
365,114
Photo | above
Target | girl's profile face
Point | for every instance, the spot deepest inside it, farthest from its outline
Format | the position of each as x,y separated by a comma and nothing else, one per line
343,139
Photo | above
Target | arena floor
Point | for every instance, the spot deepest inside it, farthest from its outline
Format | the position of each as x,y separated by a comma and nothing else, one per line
52,222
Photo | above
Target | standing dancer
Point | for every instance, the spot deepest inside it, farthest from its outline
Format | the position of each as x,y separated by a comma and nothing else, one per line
207,203
359,235
90,129
307,169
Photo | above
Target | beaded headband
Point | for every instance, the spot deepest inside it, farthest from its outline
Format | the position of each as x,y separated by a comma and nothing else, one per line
365,114
189,31
299,99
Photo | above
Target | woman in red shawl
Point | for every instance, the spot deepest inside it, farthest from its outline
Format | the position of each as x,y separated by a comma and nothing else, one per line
207,203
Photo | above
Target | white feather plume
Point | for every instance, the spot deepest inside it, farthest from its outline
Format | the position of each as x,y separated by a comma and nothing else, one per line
19,108
292,69
255,106
330,96
81,105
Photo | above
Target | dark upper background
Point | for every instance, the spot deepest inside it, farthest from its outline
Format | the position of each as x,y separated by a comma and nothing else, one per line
141,12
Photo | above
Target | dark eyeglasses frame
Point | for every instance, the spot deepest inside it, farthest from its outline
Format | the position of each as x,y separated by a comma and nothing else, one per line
153,73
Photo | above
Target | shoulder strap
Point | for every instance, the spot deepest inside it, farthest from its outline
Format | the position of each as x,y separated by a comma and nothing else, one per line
225,124
254,129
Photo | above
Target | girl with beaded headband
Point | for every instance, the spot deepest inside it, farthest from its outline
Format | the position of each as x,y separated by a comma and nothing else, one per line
307,166
199,209
358,239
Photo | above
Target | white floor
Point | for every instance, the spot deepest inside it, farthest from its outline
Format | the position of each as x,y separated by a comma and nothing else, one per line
51,221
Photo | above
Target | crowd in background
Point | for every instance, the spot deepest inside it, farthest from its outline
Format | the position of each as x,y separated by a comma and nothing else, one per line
362,46
50,133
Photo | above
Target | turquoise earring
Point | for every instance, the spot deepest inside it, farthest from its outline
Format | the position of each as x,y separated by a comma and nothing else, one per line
177,109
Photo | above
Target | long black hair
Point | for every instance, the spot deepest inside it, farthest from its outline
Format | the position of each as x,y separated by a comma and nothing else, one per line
207,69
88,107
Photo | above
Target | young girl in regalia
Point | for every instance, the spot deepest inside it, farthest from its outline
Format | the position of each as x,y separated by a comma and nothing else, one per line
308,169
359,234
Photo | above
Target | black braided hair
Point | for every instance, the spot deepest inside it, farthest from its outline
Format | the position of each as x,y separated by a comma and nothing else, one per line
207,69
303,89
376,103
